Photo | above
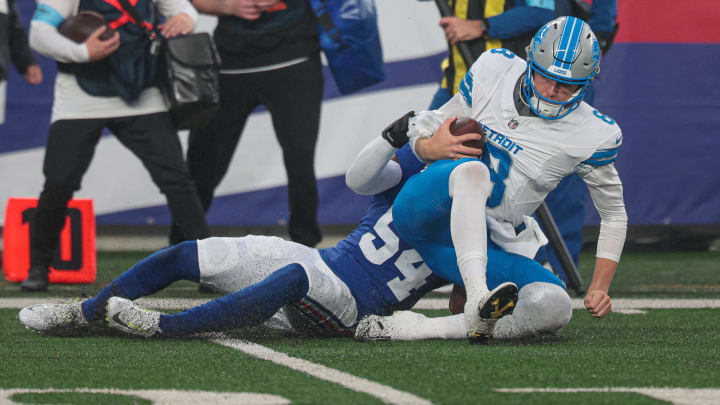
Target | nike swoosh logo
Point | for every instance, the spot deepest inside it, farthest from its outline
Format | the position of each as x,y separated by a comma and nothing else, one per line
116,319
617,140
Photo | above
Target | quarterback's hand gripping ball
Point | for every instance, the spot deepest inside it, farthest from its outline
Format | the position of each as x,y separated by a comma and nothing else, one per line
465,125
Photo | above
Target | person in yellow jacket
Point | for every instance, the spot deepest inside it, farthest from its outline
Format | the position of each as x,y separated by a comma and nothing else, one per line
484,25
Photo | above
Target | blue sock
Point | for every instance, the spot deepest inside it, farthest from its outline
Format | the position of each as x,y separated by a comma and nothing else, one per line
150,275
250,306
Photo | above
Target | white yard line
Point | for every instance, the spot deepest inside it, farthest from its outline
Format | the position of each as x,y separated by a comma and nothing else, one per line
383,392
678,396
630,311
393,396
621,305
161,397
156,303
656,303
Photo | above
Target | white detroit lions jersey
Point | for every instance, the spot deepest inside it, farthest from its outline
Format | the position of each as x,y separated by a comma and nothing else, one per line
528,156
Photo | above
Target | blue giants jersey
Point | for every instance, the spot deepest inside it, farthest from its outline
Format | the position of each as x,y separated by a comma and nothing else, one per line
382,271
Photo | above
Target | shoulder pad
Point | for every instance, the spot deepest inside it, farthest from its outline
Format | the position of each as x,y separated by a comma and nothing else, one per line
486,70
495,61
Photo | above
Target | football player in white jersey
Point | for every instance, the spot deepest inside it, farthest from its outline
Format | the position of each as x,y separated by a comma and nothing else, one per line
538,131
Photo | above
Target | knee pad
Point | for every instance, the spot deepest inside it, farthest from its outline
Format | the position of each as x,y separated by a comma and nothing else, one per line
216,255
470,176
546,307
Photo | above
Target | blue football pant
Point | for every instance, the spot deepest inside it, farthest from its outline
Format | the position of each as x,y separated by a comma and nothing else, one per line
421,214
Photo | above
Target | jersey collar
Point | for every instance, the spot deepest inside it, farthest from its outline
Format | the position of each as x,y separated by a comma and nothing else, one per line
521,106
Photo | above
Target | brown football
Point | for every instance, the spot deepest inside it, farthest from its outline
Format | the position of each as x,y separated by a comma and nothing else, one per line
79,27
464,125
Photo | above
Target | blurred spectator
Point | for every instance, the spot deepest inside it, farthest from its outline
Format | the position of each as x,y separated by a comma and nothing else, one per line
14,47
270,55
484,25
107,83
567,201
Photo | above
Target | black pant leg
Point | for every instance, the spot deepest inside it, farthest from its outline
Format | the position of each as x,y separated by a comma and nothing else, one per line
70,148
294,97
154,139
210,149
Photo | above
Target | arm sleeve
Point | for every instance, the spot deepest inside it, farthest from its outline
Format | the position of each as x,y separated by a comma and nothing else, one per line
44,37
606,192
519,20
373,172
171,8
20,52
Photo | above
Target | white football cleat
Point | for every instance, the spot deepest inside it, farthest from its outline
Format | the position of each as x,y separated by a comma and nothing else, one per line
50,318
401,325
494,305
125,315
371,329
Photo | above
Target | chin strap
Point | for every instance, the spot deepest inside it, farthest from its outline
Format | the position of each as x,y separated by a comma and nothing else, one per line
545,108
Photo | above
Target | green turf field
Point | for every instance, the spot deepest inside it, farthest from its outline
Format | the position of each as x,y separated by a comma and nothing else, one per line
631,358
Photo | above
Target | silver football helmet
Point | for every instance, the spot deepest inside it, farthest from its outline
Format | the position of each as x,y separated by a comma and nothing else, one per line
565,50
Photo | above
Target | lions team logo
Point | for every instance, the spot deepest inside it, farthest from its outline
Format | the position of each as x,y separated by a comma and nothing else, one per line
513,123
596,53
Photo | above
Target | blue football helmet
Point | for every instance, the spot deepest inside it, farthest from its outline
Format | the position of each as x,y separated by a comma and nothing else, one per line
567,51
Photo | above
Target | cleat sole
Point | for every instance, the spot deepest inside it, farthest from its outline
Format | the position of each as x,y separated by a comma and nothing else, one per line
501,302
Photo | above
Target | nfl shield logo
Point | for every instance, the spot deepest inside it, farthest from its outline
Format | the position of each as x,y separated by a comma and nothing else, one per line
513,123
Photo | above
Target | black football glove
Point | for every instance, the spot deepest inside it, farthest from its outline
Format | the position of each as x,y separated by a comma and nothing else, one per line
396,133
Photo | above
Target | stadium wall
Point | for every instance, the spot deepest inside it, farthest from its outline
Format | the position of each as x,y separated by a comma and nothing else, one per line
659,82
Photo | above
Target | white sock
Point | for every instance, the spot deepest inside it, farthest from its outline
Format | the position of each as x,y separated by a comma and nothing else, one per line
473,269
470,187
408,325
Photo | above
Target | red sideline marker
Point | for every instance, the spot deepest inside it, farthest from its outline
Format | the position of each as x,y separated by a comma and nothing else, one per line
75,260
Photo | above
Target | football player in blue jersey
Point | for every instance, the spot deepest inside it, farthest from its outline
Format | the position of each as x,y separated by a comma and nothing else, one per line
470,218
369,275
323,291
